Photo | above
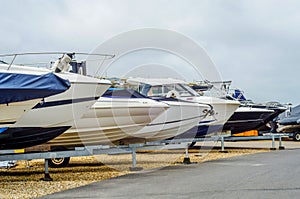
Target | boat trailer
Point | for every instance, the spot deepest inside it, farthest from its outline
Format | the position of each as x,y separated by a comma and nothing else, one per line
14,155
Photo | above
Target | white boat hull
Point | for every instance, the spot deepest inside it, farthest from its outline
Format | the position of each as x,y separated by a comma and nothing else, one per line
55,114
110,120
212,124
63,109
223,109
180,117
11,112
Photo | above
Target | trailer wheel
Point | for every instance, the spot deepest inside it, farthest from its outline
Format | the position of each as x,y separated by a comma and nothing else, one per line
296,136
59,162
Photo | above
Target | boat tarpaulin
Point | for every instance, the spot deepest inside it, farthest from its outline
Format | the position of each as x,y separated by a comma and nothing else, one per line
16,87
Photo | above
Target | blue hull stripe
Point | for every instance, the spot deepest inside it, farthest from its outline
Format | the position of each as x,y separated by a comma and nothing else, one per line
3,129
4,123
204,122
64,102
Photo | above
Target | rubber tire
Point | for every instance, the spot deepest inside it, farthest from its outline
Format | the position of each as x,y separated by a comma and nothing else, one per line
59,162
297,136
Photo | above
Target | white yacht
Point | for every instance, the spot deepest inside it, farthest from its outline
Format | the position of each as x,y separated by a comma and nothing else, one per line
21,91
117,115
182,115
54,114
212,123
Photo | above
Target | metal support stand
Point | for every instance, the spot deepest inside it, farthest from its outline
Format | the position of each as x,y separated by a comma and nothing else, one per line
187,159
47,175
222,145
273,143
281,147
134,167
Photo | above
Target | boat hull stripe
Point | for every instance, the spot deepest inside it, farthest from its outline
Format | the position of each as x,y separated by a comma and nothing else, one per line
63,102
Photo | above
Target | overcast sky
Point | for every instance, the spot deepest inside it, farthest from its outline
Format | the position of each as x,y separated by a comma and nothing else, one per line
254,43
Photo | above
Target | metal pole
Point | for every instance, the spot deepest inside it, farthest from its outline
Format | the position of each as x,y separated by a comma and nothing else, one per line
12,62
281,147
187,159
186,152
47,175
134,167
273,142
280,142
133,157
47,166
222,143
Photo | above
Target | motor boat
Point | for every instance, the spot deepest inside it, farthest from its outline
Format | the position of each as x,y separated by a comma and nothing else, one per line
252,116
249,115
183,114
291,123
211,124
54,114
21,92
117,115
247,118
179,118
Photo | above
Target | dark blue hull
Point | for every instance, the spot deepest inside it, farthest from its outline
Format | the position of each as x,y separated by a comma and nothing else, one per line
201,131
18,138
245,121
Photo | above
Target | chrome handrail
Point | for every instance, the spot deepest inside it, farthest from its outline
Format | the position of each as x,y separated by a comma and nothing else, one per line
14,55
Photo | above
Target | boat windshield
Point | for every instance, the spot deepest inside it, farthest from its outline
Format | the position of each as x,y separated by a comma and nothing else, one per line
162,90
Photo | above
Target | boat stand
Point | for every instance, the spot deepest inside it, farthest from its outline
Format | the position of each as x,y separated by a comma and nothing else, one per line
271,137
223,145
273,148
186,159
281,147
133,154
46,174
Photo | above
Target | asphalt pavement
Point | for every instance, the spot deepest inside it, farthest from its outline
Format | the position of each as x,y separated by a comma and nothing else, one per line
264,175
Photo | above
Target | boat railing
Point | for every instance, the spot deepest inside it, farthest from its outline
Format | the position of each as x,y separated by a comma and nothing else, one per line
15,55
212,88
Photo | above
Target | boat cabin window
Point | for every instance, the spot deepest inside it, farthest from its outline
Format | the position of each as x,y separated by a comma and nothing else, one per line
162,90
190,91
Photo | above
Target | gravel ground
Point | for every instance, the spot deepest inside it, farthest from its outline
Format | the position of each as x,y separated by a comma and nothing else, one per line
23,181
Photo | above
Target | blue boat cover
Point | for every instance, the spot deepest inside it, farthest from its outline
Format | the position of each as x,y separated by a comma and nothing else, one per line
16,87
